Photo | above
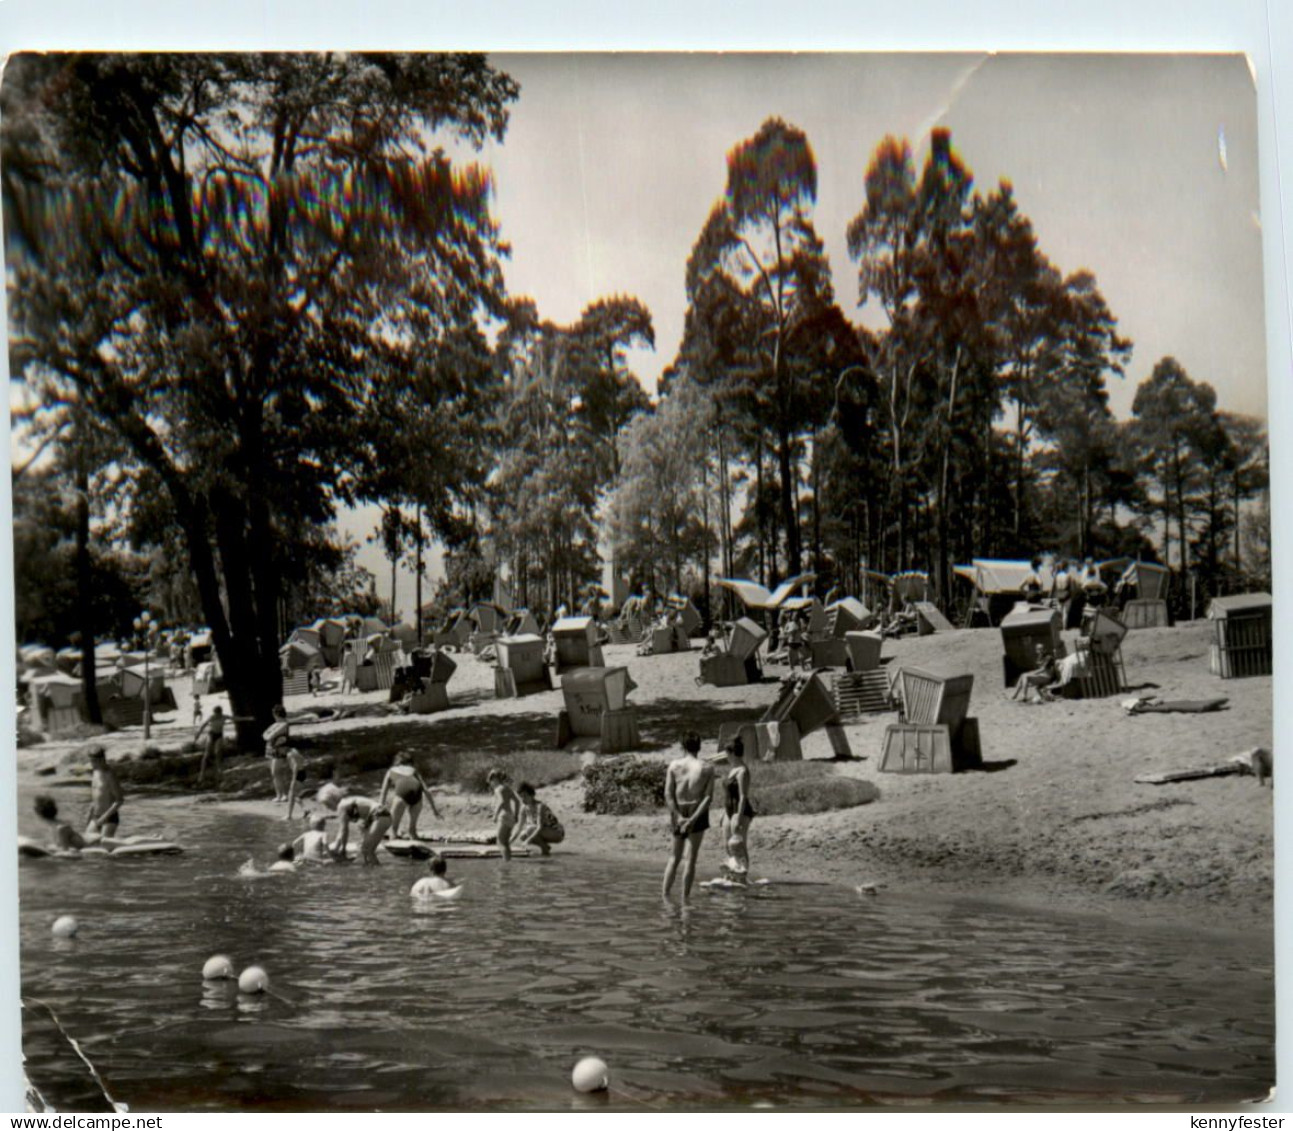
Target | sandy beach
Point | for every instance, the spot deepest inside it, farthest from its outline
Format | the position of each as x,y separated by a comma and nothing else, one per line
1054,818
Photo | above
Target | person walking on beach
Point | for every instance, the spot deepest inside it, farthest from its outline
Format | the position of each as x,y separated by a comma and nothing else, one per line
688,792
106,795
408,790
276,742
507,810
213,749
738,812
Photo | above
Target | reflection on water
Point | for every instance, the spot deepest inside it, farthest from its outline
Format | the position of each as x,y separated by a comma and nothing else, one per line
796,995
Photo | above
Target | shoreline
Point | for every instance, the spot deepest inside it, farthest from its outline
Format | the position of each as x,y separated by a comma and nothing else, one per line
1054,822
646,842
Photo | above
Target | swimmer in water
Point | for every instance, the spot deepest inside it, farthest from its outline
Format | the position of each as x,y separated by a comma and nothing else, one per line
507,810
407,789
66,838
313,843
106,796
286,861
438,880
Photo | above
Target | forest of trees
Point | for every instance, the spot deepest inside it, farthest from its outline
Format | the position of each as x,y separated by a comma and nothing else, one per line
248,291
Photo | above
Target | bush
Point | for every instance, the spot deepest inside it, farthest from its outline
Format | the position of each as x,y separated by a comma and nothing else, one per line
634,785
623,785
814,795
469,768
798,787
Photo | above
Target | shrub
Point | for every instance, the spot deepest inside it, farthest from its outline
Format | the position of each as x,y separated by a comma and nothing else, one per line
815,795
623,785
469,768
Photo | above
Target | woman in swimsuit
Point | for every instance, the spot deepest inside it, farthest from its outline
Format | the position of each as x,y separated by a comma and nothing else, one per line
507,810
373,820
409,790
276,740
539,824
738,811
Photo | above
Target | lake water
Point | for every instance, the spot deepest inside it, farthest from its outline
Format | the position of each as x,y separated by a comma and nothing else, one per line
791,996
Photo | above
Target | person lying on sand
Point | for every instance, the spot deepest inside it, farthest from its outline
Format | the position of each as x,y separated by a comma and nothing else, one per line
688,791
66,838
408,790
106,796
539,824
438,880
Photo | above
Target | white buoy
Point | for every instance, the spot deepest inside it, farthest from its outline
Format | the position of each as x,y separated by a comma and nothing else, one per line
253,980
65,926
590,1075
217,966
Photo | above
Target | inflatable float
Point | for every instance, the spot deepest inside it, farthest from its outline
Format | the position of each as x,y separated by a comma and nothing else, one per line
448,893
722,883
457,850
134,847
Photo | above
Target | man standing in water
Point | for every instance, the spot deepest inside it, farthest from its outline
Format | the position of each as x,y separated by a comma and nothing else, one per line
106,795
688,791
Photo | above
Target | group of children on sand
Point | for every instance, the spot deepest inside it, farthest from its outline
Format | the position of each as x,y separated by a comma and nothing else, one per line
520,818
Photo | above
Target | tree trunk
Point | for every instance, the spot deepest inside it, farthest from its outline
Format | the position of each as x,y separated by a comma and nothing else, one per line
789,515
252,679
417,598
84,609
758,507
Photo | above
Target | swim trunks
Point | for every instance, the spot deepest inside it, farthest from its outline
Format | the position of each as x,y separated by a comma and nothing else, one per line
699,825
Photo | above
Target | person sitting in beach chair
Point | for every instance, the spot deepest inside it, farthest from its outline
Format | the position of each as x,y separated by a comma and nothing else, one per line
713,643
1040,678
797,654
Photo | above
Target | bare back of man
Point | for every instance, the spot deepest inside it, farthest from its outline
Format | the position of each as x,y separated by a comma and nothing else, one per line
688,791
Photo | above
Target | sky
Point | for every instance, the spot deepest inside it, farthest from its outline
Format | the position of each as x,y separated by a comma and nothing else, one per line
1140,168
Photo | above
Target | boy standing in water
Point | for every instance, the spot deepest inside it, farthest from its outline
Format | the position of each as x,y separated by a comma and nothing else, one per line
106,796
688,791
